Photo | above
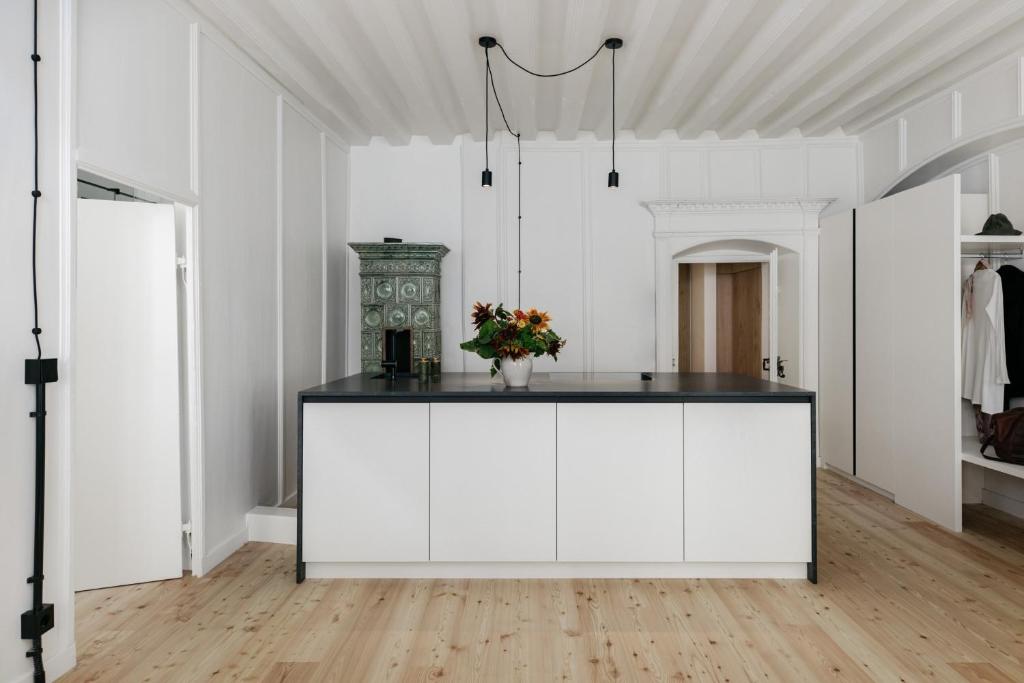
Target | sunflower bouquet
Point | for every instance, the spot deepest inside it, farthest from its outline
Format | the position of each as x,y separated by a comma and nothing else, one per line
515,334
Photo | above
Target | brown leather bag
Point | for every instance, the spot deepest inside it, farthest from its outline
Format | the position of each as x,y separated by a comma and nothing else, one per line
1007,437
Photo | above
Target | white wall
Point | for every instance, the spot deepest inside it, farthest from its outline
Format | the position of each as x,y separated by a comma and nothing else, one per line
588,252
17,493
178,111
237,238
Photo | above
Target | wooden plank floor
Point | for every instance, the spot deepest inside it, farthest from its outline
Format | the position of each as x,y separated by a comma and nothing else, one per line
899,600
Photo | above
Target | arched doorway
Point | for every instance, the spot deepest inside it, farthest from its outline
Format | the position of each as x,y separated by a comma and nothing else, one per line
737,309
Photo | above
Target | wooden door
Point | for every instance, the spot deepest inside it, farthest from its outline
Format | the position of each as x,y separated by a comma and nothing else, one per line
738,318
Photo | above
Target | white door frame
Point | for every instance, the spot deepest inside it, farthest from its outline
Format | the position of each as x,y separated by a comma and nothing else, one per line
681,225
190,339
769,295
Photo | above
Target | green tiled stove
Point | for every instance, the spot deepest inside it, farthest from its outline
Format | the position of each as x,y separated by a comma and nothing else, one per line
399,289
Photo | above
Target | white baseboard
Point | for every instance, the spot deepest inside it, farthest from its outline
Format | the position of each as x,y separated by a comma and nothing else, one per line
271,525
556,570
223,550
56,665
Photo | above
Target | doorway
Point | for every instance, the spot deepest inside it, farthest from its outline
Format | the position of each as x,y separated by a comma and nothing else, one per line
132,388
723,318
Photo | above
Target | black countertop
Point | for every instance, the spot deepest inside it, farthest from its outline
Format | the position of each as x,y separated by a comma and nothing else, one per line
566,387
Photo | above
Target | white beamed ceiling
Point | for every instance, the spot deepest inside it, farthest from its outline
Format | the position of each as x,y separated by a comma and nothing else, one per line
401,68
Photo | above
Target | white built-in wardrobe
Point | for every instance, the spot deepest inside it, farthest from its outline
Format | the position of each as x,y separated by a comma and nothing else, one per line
891,415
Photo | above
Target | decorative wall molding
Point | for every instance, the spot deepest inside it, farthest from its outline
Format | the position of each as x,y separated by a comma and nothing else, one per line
976,114
733,230
671,206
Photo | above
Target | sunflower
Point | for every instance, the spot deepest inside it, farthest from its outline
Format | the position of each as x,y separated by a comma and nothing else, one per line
539,319
481,314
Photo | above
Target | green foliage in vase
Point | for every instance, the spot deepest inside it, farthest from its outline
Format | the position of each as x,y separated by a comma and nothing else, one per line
514,334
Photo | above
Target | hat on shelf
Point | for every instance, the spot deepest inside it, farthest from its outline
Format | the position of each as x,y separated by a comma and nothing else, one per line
998,224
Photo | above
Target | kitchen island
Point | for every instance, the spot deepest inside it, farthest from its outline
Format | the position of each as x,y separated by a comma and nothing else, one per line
579,475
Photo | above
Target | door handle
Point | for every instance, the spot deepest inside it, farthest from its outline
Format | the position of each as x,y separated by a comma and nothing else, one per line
780,369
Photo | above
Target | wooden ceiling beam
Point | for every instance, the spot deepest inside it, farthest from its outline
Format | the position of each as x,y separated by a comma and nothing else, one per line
698,51
461,57
785,26
974,30
307,19
238,21
638,62
844,32
861,61
584,32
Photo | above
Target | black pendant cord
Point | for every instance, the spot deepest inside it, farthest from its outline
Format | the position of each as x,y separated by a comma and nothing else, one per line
519,184
38,372
487,42
588,60
613,109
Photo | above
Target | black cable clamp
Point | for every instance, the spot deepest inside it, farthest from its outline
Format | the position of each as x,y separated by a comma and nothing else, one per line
36,622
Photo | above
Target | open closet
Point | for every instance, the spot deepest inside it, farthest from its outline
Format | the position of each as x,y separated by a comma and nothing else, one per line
892,332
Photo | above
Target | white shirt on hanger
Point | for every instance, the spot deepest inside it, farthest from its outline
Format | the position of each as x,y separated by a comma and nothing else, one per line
983,341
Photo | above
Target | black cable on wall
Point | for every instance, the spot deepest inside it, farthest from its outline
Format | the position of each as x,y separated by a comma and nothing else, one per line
39,372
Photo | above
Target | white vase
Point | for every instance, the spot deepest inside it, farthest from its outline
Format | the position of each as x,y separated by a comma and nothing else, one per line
516,373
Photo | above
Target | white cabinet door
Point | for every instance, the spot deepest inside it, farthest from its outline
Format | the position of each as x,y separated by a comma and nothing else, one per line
492,482
365,478
835,341
873,344
748,482
620,482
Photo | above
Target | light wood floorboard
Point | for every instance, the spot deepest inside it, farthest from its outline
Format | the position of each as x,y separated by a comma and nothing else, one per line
899,600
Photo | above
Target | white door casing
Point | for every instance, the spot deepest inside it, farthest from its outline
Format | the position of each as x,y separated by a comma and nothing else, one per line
127,461
683,225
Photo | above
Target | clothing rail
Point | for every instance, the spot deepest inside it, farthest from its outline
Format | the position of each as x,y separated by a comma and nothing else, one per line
1019,253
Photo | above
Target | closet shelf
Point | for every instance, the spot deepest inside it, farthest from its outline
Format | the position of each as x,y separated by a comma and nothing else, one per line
991,241
970,452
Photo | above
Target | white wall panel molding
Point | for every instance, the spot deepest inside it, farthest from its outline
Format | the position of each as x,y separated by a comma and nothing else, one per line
976,114
579,237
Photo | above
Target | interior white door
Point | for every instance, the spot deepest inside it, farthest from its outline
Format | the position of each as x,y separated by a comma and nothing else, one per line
835,341
787,299
773,315
126,482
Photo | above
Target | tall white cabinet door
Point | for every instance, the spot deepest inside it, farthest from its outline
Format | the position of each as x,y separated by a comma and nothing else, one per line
926,352
492,497
620,482
835,341
366,472
748,482
873,344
